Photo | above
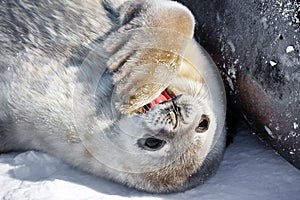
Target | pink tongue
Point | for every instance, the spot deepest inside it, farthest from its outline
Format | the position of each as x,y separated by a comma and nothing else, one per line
161,98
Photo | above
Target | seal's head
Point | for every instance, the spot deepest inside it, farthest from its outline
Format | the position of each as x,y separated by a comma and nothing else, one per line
176,138
165,132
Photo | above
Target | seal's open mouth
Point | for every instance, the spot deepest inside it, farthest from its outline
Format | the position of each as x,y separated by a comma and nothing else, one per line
166,95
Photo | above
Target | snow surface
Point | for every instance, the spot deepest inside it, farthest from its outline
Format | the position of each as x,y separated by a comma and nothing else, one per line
250,170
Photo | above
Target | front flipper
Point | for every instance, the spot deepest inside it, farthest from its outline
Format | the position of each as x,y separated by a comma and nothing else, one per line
147,50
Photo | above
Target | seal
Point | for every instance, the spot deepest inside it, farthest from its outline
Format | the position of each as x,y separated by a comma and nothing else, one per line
112,88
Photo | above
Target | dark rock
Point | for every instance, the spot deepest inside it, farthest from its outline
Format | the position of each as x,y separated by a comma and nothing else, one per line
256,45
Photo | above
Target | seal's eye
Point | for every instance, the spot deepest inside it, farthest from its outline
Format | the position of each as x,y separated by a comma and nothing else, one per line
203,124
151,143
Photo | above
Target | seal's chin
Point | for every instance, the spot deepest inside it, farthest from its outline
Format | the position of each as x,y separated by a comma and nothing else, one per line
164,96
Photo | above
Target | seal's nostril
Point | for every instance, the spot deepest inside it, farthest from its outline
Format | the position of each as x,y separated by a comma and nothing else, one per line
203,124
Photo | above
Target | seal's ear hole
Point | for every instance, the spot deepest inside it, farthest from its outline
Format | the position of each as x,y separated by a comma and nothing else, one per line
203,124
151,143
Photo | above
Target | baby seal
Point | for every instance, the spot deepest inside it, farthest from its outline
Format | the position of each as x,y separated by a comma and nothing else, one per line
116,88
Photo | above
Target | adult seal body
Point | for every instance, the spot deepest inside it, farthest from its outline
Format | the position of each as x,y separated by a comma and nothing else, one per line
119,89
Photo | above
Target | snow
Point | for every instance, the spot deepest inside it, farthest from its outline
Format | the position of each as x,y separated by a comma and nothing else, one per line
250,170
269,131
290,49
295,125
273,63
